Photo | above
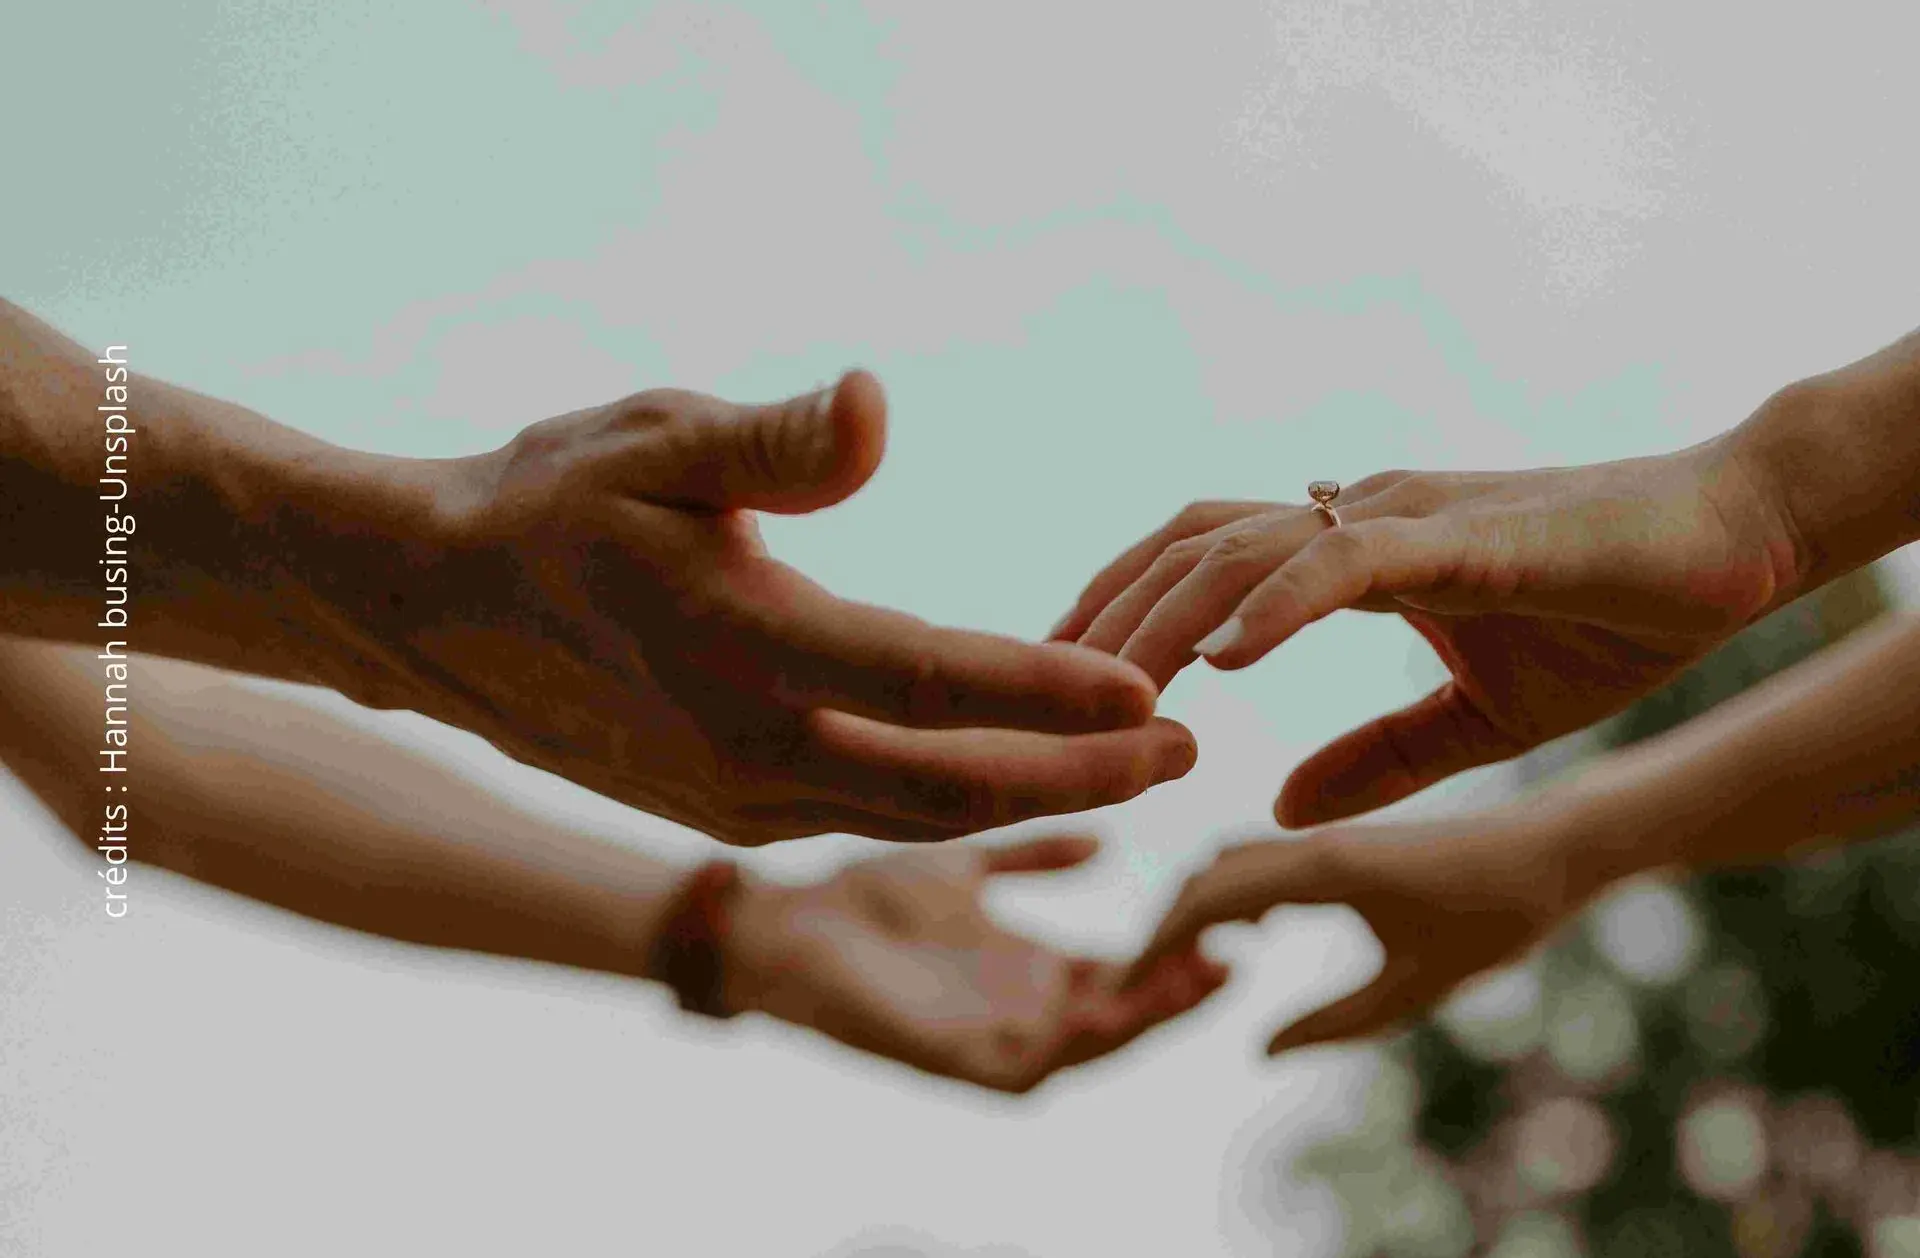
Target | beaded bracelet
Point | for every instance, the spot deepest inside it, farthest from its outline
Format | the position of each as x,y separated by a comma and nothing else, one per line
686,953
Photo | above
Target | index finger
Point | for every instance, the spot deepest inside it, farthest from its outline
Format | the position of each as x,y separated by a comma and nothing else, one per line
1242,884
1110,581
794,640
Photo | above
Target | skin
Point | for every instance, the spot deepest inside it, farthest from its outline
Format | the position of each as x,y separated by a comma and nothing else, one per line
593,598
274,799
1825,752
1554,597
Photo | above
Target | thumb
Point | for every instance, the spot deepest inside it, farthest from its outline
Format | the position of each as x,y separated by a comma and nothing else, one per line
1242,884
1390,758
789,457
1390,999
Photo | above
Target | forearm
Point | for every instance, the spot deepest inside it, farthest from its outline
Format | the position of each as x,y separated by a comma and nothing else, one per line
1838,455
1828,750
282,803
238,542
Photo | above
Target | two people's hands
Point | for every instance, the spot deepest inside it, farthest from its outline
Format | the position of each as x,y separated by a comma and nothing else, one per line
597,602
1554,597
896,956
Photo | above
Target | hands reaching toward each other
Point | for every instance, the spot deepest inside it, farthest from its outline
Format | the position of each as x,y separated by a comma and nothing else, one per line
605,609
1554,597
896,956
593,599
1447,900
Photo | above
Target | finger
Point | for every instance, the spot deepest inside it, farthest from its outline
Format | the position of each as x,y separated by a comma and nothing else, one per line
1104,1017
1375,1008
981,779
794,456
780,634
1162,638
1097,1019
1391,758
1113,626
1041,855
1200,517
1339,568
1243,884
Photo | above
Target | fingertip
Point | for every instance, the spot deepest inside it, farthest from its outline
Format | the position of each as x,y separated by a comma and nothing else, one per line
1179,756
1065,629
1044,854
857,410
1285,1040
1290,811
1125,695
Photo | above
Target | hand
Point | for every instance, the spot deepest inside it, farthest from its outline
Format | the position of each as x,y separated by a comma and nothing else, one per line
895,956
1554,598
1447,900
601,606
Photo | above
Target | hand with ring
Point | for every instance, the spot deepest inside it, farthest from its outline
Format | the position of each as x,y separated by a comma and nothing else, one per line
1554,597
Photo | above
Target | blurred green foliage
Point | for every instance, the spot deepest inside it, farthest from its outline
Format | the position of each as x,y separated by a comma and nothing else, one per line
1767,1103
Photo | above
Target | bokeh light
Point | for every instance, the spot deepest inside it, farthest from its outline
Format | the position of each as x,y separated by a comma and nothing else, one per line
1648,930
1498,1016
1537,1235
1592,1032
1896,1237
1815,1140
1563,1145
1722,1141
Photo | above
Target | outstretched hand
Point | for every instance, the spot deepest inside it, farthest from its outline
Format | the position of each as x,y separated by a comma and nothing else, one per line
1446,899
1554,598
896,956
600,605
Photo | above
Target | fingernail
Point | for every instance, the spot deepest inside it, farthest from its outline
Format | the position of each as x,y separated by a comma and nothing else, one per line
1177,762
823,400
1222,638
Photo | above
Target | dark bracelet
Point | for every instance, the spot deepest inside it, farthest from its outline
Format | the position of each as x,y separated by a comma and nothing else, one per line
686,953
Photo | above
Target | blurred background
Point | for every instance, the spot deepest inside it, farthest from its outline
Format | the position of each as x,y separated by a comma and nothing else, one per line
1107,259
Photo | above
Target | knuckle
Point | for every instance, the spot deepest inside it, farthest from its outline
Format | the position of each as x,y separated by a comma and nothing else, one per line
1380,482
1235,548
652,408
1195,516
928,698
1183,554
1415,494
1341,546
763,453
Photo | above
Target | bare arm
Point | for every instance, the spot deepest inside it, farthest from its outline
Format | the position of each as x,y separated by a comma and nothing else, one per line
278,801
1828,750
1839,457
284,803
246,544
592,598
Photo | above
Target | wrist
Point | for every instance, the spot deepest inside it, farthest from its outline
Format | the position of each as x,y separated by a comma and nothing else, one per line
1835,463
693,945
280,554
1598,832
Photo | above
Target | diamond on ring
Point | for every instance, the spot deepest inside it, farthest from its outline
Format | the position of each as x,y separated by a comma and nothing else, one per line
1323,492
